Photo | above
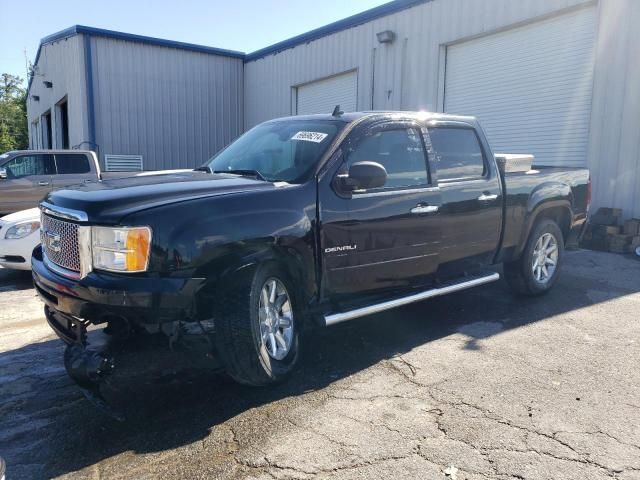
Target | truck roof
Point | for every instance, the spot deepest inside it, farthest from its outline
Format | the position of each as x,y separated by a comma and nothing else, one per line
22,152
349,117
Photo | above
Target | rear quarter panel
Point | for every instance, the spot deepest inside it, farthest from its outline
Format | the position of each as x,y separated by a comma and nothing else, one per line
532,193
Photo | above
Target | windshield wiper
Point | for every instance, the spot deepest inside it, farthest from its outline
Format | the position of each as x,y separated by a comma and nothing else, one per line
244,173
203,168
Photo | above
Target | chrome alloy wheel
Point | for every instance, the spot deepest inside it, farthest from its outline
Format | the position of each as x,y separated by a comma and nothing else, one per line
276,319
545,258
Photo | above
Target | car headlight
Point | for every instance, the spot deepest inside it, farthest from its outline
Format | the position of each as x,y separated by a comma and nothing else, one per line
21,230
124,249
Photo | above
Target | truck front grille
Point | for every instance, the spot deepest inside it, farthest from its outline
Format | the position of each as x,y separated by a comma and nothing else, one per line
60,242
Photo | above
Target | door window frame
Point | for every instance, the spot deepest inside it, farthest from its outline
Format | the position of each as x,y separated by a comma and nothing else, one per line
431,152
358,135
55,167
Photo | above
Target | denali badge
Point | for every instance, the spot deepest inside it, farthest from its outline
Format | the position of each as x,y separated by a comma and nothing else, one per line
340,249
53,241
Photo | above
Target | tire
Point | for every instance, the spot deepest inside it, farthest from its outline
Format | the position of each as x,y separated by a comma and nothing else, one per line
246,332
522,275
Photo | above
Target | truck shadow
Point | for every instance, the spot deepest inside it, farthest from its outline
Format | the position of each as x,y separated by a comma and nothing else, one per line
11,280
48,429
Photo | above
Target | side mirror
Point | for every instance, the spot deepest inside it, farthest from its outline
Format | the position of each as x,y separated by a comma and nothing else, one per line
364,175
3,173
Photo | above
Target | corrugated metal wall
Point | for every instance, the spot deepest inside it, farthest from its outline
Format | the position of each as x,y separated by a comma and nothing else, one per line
409,74
177,107
61,63
174,107
614,151
531,86
406,72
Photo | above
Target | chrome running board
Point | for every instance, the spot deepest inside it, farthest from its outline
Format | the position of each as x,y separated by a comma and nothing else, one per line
469,282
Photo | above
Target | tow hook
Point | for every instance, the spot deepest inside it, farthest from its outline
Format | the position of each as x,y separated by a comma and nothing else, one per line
88,368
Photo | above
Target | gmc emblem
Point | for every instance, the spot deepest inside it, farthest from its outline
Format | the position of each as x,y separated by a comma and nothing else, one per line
53,241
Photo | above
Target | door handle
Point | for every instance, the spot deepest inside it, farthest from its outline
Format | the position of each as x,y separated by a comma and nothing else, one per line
487,198
43,183
422,209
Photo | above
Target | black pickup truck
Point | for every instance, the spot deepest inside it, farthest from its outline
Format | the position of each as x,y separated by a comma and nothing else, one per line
302,221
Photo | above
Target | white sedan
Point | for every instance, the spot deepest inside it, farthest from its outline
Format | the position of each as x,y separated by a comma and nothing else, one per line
19,235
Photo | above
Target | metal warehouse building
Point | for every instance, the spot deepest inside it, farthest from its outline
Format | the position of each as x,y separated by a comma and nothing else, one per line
141,103
558,78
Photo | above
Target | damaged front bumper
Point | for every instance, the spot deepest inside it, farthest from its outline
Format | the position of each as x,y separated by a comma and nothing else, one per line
149,327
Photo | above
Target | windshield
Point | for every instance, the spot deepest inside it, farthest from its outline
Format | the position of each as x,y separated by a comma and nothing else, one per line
278,151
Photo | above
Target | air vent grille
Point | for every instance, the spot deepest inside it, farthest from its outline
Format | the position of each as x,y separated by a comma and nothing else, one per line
123,163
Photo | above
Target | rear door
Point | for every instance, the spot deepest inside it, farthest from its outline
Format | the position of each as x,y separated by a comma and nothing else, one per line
28,180
471,211
391,235
72,169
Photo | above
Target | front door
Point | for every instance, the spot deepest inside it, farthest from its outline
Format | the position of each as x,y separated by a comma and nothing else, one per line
389,236
471,212
28,180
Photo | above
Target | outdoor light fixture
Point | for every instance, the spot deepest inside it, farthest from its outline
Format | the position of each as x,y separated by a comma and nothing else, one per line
35,98
386,36
48,84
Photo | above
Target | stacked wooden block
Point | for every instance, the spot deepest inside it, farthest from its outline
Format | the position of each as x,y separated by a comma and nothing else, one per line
604,232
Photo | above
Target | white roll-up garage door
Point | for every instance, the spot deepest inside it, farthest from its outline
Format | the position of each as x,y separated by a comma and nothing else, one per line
323,95
530,86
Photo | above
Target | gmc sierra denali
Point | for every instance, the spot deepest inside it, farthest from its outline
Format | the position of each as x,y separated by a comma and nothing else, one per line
310,220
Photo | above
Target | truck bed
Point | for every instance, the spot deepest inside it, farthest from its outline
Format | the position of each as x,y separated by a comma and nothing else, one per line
525,189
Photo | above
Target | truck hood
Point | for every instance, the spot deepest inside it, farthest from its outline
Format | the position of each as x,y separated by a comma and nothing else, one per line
109,201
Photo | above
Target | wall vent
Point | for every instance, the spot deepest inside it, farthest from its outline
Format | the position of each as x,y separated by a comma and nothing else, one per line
123,163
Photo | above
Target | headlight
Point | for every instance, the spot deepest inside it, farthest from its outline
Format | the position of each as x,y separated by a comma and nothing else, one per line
123,249
21,230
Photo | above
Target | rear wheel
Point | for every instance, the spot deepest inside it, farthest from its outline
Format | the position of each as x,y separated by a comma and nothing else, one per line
536,271
257,328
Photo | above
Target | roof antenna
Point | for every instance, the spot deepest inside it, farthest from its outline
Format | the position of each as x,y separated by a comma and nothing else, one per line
337,112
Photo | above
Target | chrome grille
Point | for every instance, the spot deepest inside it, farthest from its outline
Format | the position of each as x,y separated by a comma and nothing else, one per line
60,242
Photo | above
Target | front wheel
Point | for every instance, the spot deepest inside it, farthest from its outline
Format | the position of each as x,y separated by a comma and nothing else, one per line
536,271
257,328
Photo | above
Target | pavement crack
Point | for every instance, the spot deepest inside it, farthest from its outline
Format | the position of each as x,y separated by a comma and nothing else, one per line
375,424
323,435
395,368
598,432
579,458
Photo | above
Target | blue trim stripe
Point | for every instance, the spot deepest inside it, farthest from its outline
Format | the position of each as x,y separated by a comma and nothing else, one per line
99,32
88,65
349,22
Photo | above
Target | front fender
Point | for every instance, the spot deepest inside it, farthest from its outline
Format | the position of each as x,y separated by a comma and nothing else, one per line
219,238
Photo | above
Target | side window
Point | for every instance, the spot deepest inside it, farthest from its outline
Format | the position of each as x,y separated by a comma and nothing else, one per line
69,163
400,152
456,153
27,165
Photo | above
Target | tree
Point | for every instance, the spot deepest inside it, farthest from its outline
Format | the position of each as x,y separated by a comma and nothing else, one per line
14,134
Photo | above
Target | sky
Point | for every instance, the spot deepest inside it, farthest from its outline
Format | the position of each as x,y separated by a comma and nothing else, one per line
244,25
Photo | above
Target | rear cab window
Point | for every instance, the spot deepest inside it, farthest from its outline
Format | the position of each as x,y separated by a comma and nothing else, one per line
72,163
456,153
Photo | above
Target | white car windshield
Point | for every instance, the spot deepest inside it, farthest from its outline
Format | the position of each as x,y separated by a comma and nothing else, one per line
284,150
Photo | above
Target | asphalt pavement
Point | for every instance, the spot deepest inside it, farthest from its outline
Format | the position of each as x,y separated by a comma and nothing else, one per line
475,385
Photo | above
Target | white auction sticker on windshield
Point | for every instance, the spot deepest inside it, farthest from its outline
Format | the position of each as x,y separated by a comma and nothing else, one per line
315,137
